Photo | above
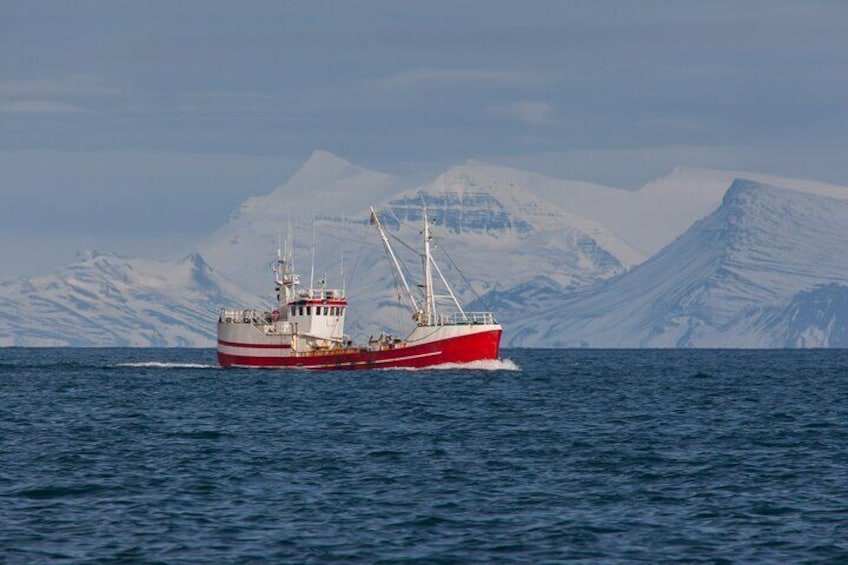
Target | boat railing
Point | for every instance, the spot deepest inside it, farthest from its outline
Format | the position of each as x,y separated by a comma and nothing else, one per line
321,293
248,316
464,318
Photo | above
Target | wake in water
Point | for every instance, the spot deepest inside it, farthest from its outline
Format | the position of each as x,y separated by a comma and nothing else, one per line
167,365
483,365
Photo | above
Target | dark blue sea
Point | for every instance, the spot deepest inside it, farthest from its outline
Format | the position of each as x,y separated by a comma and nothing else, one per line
158,456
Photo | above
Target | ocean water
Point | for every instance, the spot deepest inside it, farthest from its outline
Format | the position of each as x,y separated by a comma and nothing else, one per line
157,455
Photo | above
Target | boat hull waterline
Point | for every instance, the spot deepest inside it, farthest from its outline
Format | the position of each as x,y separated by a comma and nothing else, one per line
482,344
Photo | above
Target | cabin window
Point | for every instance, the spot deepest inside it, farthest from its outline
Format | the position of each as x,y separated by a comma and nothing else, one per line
300,309
309,310
293,310
326,310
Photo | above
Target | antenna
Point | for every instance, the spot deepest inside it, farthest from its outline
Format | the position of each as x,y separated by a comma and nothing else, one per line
291,247
344,283
312,270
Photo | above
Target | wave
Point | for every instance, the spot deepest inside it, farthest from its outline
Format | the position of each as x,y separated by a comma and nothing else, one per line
166,365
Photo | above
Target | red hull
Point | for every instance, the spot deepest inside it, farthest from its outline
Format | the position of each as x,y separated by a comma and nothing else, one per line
461,349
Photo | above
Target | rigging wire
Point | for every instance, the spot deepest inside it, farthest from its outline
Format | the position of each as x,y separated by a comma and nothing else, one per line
464,278
407,271
355,271
395,274
450,259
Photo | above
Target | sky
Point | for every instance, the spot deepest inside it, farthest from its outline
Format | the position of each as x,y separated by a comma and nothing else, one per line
137,127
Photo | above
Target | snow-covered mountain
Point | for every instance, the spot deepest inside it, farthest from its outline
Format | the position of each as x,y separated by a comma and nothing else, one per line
495,231
108,300
651,217
325,186
556,260
768,268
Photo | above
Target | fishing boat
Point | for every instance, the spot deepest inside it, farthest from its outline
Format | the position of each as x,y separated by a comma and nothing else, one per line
305,329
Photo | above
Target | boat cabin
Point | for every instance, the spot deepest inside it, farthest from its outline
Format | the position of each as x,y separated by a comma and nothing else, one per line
318,313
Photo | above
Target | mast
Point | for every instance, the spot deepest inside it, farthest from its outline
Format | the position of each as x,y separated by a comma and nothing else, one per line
450,295
279,268
375,219
285,280
429,302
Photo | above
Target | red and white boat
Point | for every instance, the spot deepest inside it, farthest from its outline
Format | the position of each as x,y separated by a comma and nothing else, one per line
306,328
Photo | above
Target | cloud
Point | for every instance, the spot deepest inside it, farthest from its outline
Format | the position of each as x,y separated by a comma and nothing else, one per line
449,78
71,94
39,107
71,85
527,112
670,123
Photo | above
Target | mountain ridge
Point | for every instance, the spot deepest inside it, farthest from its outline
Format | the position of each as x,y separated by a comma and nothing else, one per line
106,299
703,290
530,244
